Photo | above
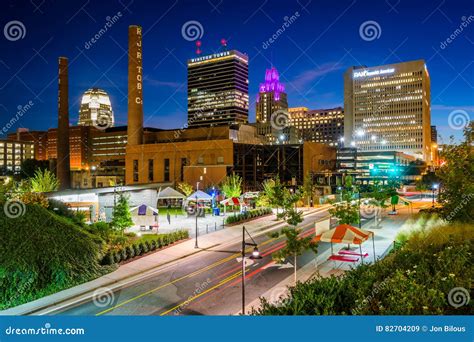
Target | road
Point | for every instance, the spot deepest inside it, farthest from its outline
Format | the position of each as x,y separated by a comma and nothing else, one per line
206,284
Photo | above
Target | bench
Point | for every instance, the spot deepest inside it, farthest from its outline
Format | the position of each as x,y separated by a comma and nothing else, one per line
346,252
343,258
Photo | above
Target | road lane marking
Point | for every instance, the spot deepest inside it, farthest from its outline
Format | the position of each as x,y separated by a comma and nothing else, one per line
189,275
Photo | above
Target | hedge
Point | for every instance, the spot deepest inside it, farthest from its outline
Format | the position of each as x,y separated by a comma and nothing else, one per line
248,215
143,246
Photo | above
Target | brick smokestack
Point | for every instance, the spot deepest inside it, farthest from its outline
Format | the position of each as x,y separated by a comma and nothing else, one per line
63,164
135,86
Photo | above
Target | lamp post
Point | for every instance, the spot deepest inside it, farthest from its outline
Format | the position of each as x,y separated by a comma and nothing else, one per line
197,213
433,188
255,255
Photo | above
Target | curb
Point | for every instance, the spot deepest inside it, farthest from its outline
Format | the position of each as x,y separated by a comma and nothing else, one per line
117,284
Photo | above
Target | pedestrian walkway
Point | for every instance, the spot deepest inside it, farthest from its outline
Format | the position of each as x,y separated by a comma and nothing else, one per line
385,234
150,263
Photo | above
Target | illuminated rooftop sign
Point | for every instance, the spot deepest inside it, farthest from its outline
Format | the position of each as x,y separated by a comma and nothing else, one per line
367,73
214,55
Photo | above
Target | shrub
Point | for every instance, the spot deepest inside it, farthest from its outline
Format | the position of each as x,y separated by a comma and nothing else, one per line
117,256
414,279
136,250
130,252
141,248
108,259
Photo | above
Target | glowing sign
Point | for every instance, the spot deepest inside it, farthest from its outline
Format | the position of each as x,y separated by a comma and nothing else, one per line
215,55
378,72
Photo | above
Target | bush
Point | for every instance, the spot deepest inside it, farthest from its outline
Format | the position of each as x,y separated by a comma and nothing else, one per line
146,244
42,253
247,215
415,279
130,252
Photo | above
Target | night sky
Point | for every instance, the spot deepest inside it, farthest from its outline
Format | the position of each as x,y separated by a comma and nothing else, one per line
311,55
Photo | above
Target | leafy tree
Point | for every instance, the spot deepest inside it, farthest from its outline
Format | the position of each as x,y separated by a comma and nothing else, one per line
275,192
121,217
456,191
185,188
30,166
347,211
44,181
308,188
232,186
295,246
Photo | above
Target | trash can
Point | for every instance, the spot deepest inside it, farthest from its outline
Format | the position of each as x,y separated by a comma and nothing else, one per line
216,212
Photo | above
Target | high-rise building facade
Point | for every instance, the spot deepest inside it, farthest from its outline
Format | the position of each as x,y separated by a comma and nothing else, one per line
318,125
96,109
218,89
38,138
12,154
271,96
388,108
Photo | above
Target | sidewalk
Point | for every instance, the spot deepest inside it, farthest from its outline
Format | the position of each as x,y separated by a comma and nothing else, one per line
384,237
151,263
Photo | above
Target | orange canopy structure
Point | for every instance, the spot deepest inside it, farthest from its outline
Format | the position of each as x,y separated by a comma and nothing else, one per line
344,233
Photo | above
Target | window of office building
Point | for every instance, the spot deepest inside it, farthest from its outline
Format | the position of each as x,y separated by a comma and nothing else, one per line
184,162
150,170
167,170
135,170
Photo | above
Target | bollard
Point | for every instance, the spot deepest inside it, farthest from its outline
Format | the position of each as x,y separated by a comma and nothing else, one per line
223,222
207,228
215,226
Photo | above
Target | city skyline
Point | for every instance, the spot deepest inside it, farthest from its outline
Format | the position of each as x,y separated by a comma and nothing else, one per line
313,79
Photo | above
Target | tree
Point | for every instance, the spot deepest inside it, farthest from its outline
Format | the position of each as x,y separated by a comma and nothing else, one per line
121,217
44,181
347,211
274,192
308,188
185,188
295,246
456,189
232,186
30,166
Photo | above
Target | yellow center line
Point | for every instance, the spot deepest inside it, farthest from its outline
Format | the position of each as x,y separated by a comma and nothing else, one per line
179,279
189,300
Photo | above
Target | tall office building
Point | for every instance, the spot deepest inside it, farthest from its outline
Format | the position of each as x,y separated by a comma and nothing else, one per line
271,96
96,109
318,125
218,89
388,108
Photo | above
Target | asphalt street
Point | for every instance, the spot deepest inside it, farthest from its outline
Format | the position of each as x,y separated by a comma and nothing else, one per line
206,284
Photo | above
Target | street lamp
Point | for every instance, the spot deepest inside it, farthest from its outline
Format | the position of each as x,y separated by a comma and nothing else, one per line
255,255
433,188
196,213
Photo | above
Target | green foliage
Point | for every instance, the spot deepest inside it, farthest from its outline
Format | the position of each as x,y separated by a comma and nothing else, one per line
145,244
232,186
62,209
274,191
30,166
347,210
308,188
415,279
456,193
43,253
185,188
295,246
121,217
44,181
254,213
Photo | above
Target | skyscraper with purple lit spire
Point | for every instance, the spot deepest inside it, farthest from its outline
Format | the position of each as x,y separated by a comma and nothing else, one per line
271,96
